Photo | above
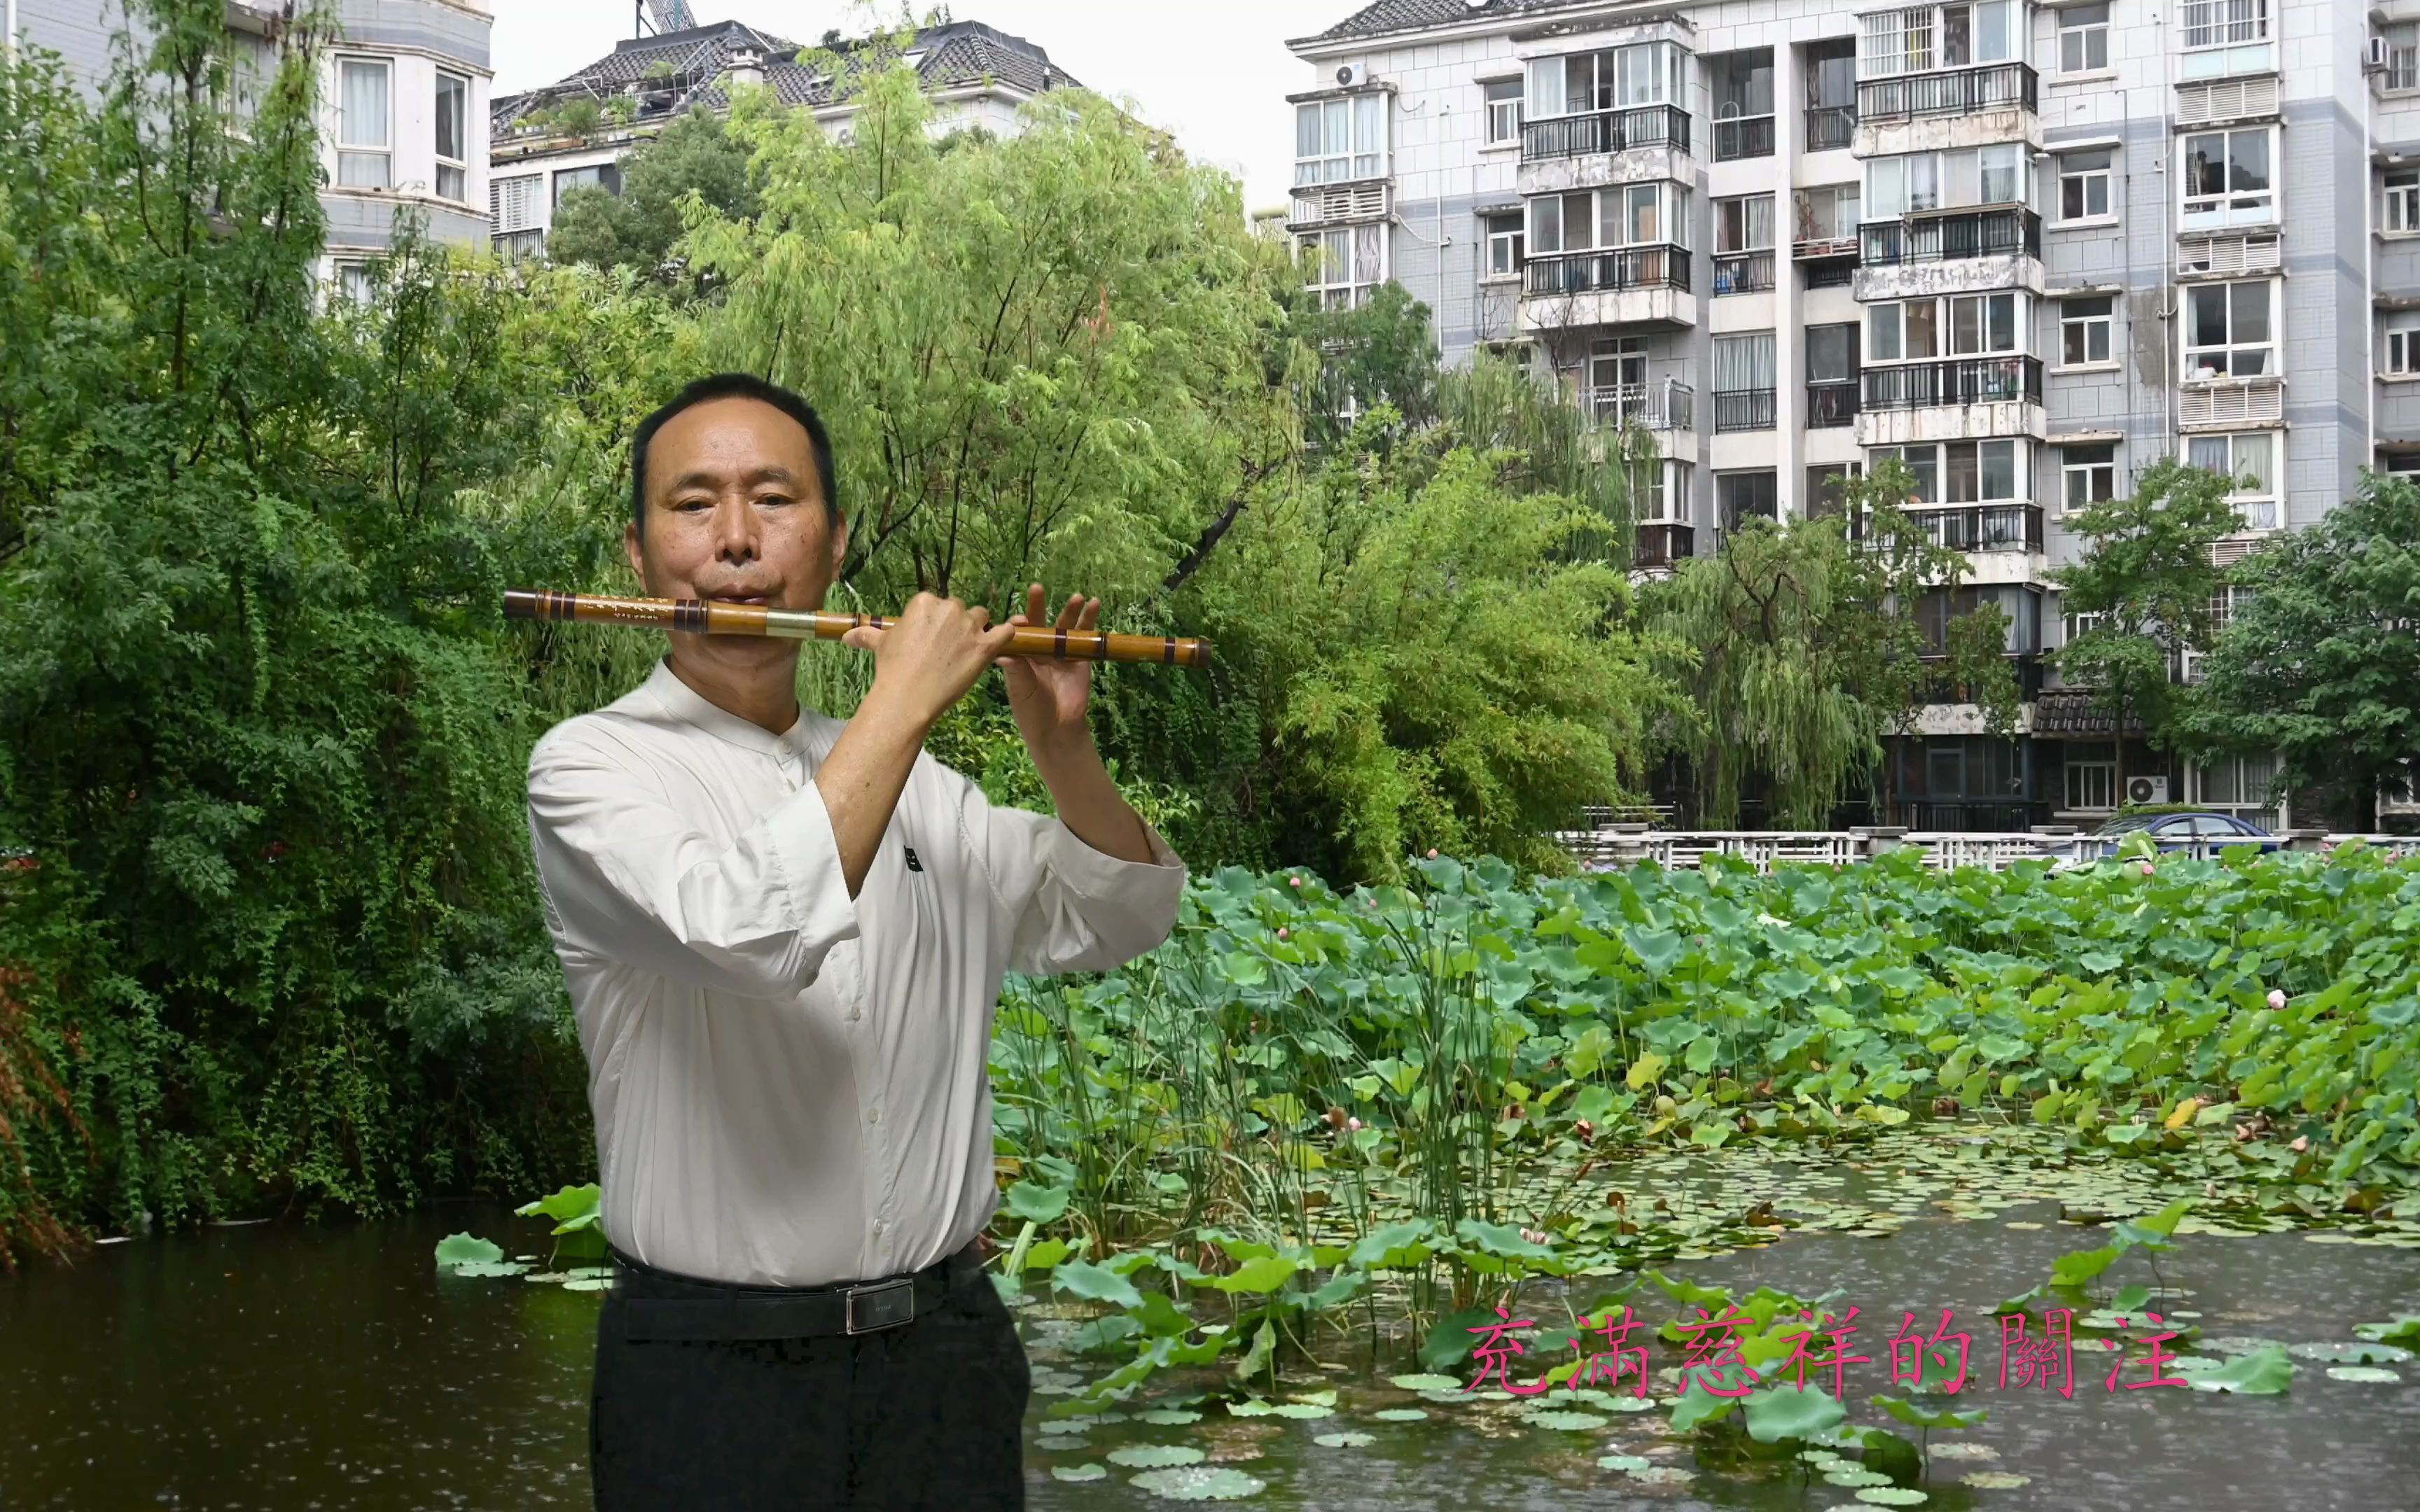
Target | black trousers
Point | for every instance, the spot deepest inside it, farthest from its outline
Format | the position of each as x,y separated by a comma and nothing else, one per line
926,1414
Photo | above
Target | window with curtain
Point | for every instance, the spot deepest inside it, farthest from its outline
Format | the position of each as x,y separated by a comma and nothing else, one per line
1744,224
2249,459
364,125
1503,111
453,136
1743,362
1339,139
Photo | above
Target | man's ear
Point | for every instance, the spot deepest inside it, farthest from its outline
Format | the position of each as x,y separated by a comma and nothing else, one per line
636,551
839,547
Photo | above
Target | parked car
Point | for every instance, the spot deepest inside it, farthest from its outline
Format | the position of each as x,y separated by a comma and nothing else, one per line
2179,831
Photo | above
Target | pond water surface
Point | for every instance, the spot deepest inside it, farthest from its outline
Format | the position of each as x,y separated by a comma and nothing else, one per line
286,1365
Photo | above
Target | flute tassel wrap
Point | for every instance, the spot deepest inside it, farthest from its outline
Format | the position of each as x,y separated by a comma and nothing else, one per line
696,617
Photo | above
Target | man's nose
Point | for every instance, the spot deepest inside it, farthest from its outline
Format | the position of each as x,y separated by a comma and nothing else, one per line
734,530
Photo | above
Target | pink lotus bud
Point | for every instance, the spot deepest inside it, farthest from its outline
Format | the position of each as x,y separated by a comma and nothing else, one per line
1282,933
2146,867
2277,997
1432,853
1535,1236
1352,1126
1294,882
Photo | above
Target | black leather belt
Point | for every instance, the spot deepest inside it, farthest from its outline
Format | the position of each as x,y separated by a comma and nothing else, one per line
657,1306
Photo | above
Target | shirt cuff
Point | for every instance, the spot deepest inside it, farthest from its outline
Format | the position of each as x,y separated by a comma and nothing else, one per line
1091,873
807,855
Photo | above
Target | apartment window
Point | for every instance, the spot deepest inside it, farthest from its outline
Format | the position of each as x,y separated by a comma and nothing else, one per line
1831,69
2401,211
1743,97
1744,224
1743,381
1923,462
1923,37
604,176
1622,78
2249,459
2084,186
1344,265
2236,782
1827,488
2402,345
364,125
354,282
2084,40
1503,111
1740,496
2402,58
1339,139
1660,492
2226,179
1503,245
2091,775
1828,212
2228,332
1832,353
1915,183
513,203
2224,23
2084,333
1957,472
2087,475
1962,325
453,137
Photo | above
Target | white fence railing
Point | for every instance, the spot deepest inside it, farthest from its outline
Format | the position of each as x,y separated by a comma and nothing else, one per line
1622,845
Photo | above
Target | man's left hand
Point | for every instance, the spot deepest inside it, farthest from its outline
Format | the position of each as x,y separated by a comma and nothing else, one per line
1050,697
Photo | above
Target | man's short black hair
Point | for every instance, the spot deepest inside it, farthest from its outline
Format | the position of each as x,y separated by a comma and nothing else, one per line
734,386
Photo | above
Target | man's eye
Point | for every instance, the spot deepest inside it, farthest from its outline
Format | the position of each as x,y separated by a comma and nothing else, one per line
773,499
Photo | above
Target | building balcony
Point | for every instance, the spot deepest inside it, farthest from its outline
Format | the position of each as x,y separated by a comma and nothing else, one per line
1346,204
2226,403
1619,286
1952,92
1737,410
1662,542
1831,405
1959,235
1962,381
1604,131
1666,406
1743,272
1742,136
1830,127
1972,527
1953,108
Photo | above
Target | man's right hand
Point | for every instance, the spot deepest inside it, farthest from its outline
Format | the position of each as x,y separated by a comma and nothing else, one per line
926,659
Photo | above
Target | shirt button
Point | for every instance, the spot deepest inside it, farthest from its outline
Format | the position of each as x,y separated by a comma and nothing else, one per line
874,1117
853,1013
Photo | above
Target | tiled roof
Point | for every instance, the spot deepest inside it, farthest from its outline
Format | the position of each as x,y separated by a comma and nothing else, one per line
2074,711
1410,15
957,55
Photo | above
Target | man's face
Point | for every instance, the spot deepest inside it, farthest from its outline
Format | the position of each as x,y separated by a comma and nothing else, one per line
735,512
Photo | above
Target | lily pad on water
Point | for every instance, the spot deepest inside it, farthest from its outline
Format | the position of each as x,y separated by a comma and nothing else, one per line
1893,1496
1399,1414
1199,1483
1155,1455
2262,1374
1568,1421
1169,1417
1255,1408
588,1283
457,1250
1301,1410
489,1268
1994,1480
1078,1473
2367,1375
1663,1475
2351,1353
1622,1462
1067,1425
1856,1475
1963,1451
1425,1382
1344,1440
2401,1330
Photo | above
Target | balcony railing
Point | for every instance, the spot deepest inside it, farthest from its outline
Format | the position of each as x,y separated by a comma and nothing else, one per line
2000,233
1958,92
1605,130
1982,527
1582,272
1839,272
1939,688
1661,544
1744,136
1830,126
1743,410
1656,406
1831,404
1959,380
1743,272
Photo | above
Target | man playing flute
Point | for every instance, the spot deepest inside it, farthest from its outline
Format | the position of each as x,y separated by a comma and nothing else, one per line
785,936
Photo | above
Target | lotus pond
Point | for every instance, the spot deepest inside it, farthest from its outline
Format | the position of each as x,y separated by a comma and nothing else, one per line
1266,1190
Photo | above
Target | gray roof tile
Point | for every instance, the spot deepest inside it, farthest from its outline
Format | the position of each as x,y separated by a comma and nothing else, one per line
1387,16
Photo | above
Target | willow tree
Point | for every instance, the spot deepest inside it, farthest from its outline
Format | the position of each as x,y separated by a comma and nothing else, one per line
1040,357
1801,647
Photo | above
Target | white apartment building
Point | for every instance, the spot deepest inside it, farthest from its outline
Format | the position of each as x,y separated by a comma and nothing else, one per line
2027,248
574,133
403,93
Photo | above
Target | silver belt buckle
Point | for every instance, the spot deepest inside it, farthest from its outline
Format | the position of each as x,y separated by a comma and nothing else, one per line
884,1305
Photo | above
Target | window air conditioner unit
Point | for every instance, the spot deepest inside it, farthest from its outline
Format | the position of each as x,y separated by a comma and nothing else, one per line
2142,790
1352,75
2376,57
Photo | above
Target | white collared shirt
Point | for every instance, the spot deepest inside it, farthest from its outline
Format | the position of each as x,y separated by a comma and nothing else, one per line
789,1086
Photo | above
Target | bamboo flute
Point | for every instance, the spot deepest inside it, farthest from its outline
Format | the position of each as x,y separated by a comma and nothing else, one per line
699,617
